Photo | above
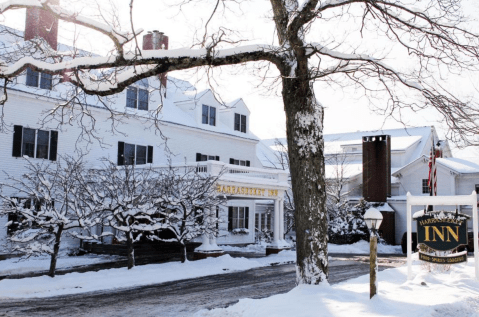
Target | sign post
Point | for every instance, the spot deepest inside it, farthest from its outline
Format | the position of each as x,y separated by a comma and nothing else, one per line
444,201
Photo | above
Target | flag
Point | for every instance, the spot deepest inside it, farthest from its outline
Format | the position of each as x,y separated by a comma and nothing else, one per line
432,181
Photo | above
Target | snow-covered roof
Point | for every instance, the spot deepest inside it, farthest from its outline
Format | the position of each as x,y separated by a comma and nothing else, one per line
463,166
349,170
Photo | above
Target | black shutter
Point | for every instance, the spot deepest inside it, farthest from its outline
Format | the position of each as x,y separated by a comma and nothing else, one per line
217,217
53,145
198,157
232,161
217,158
230,218
17,141
121,153
150,154
247,163
246,217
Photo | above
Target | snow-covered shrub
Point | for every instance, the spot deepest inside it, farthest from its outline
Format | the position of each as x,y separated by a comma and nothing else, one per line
348,225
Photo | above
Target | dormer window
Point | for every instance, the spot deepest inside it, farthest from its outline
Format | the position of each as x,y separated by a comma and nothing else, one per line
137,95
208,115
240,122
36,78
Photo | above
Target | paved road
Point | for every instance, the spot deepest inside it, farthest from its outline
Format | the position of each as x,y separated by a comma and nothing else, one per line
183,298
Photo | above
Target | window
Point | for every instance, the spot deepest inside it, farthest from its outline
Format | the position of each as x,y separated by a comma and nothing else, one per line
137,96
132,154
239,162
208,115
204,157
263,221
34,78
425,186
34,143
238,218
477,188
240,122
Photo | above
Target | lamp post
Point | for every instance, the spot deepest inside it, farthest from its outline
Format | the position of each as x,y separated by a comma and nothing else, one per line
373,219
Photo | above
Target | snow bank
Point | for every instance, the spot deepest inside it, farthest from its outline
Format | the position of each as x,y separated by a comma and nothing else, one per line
42,263
436,294
362,247
75,283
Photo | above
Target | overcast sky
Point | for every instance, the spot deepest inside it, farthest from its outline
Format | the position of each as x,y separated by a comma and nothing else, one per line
346,110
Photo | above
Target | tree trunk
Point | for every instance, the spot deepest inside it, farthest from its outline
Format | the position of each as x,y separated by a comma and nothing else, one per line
130,250
304,124
56,248
183,255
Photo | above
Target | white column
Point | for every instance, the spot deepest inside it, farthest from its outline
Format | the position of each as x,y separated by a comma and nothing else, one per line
276,223
281,219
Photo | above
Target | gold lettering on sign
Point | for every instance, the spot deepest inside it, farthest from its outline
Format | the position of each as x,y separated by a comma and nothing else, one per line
441,233
247,191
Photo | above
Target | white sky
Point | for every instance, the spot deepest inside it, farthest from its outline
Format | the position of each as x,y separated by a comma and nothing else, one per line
346,110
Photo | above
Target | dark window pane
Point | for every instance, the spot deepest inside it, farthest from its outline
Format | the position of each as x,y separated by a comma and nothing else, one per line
477,188
140,154
211,158
212,116
242,163
129,154
46,81
237,122
143,82
236,162
204,115
131,97
204,157
28,147
42,144
243,124
32,78
142,99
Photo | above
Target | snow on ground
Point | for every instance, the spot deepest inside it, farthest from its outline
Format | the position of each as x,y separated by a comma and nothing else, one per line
74,283
42,263
360,247
436,294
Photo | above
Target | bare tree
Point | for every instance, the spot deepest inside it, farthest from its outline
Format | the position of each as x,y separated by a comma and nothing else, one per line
44,205
187,203
432,33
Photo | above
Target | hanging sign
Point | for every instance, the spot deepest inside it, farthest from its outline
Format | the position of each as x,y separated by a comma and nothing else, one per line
453,259
442,231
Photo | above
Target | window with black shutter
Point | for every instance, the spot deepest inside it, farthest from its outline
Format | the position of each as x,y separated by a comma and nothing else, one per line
132,154
239,218
34,143
204,157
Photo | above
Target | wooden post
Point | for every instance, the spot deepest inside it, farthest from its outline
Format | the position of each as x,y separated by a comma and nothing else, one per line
373,265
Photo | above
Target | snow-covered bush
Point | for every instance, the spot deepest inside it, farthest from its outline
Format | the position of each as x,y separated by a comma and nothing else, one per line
348,226
44,205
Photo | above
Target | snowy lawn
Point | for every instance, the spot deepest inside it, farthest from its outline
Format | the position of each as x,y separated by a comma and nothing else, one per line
42,263
360,247
74,283
436,294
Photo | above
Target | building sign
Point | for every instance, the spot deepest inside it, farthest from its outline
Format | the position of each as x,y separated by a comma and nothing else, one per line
443,231
246,191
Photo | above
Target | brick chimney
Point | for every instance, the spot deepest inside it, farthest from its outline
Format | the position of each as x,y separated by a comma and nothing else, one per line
377,168
156,40
41,23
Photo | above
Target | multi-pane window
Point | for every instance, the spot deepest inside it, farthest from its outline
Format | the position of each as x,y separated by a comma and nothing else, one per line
263,221
137,96
132,154
205,157
35,78
239,162
238,218
240,122
425,186
208,115
16,220
35,143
